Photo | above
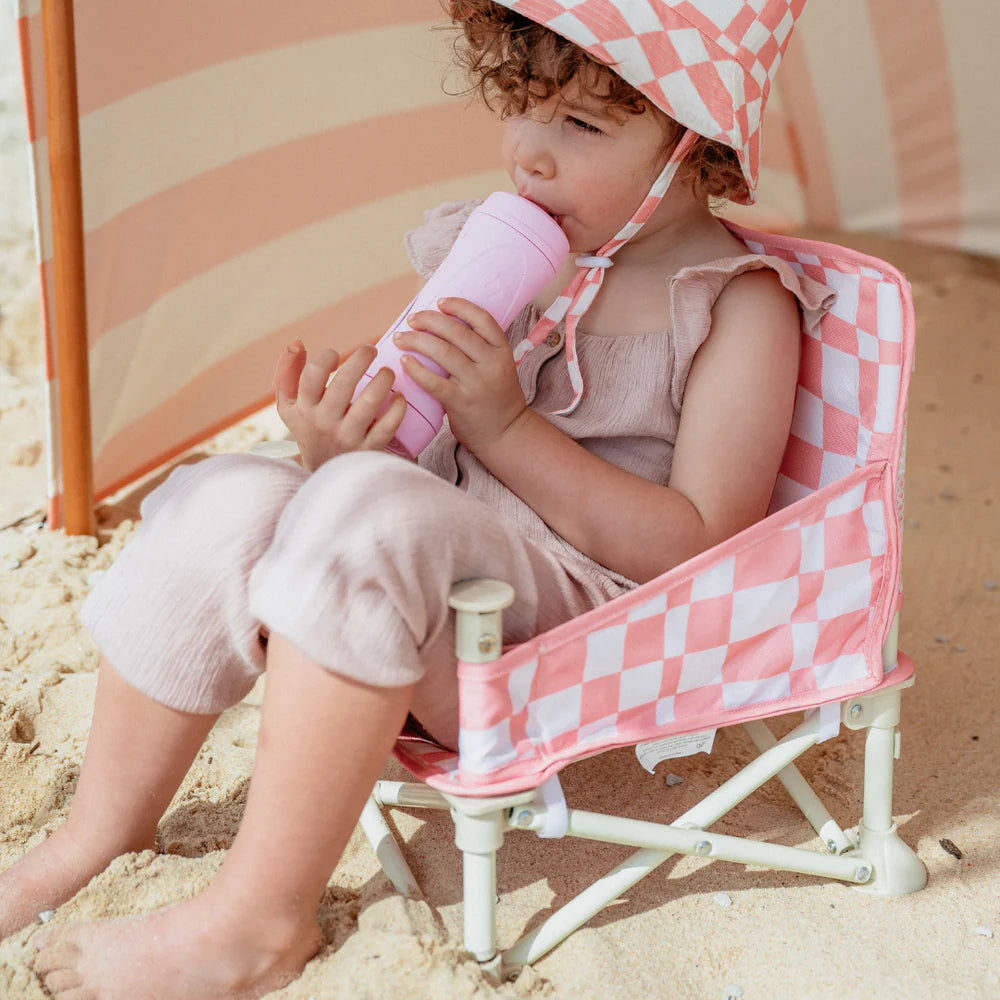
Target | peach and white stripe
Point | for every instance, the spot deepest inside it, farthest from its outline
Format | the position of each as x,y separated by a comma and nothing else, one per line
223,143
881,146
247,178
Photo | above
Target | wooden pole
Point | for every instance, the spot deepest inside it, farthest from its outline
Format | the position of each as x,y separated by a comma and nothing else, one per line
66,196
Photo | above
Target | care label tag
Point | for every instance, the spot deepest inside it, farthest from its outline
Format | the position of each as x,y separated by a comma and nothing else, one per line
652,752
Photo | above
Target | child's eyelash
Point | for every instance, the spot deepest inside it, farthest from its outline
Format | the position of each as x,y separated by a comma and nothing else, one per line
583,126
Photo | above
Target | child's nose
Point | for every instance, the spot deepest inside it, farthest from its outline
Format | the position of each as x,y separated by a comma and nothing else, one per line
532,154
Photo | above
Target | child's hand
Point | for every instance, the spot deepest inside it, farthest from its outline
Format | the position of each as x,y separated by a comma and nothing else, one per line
483,396
321,417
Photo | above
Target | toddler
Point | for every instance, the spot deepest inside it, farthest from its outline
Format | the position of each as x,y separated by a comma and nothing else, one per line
632,416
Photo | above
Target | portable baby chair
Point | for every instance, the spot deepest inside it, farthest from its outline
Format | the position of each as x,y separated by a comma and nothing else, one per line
797,612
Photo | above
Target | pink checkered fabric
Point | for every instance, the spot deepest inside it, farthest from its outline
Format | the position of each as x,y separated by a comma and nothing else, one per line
708,64
787,615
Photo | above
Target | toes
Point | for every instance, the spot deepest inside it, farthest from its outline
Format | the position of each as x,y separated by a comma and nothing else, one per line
61,981
55,963
55,956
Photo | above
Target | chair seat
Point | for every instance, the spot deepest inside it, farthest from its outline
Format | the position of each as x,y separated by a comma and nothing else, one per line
438,766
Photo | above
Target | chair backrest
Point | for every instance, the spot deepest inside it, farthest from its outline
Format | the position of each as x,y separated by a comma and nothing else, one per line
855,366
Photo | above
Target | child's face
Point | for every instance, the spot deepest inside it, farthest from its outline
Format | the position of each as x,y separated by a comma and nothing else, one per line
589,169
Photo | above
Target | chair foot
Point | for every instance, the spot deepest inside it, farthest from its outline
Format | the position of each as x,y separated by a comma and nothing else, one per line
495,972
896,868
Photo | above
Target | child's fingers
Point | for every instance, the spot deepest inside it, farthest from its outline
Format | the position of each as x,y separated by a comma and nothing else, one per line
451,329
476,317
291,361
363,411
337,397
433,383
315,374
383,430
443,340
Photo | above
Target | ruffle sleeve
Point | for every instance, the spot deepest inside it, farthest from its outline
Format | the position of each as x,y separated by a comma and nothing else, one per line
693,293
428,245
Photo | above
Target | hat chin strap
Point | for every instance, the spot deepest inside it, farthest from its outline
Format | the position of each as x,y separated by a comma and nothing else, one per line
576,297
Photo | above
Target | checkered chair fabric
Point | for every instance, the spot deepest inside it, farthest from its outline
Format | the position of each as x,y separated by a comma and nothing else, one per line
787,615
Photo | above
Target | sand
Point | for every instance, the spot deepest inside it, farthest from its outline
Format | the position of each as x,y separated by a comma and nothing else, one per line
784,937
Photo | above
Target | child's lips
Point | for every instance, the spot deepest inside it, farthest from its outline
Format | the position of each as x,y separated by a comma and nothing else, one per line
548,211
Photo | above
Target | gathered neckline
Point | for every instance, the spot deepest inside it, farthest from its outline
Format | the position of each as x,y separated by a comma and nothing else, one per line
723,262
586,334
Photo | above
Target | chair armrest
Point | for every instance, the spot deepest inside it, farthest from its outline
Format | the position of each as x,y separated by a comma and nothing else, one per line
478,608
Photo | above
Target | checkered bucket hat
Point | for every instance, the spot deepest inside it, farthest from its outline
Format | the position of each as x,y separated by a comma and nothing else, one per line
708,64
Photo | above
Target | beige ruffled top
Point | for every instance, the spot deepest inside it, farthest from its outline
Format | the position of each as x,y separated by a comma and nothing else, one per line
634,385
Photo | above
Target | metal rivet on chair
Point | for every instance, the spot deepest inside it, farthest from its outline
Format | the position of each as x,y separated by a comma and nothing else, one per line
862,873
703,847
831,846
857,711
487,643
524,817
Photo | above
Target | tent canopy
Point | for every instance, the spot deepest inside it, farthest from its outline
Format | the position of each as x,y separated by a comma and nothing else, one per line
247,176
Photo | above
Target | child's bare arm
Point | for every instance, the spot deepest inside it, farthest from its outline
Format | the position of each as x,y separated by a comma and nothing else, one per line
734,426
737,413
621,520
738,404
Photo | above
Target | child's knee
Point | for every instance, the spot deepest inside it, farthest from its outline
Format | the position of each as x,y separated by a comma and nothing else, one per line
223,491
371,497
365,522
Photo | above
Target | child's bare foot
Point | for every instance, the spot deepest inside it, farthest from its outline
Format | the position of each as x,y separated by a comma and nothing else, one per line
195,950
45,878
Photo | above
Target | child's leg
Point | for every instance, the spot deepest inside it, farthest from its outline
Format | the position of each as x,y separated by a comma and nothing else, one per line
323,741
171,616
356,581
137,754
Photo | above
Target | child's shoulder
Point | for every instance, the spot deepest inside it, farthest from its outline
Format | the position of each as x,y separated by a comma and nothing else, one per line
730,275
749,280
759,291
745,295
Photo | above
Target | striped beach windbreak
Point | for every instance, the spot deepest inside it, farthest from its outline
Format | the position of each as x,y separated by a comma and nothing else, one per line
248,168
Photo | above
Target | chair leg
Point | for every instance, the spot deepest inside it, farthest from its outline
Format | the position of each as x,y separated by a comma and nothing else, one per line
387,850
896,868
479,837
479,829
836,841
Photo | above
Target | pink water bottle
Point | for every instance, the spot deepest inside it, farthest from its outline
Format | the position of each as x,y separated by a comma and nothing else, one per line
506,253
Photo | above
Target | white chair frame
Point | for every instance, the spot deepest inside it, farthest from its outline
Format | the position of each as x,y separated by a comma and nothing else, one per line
871,857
